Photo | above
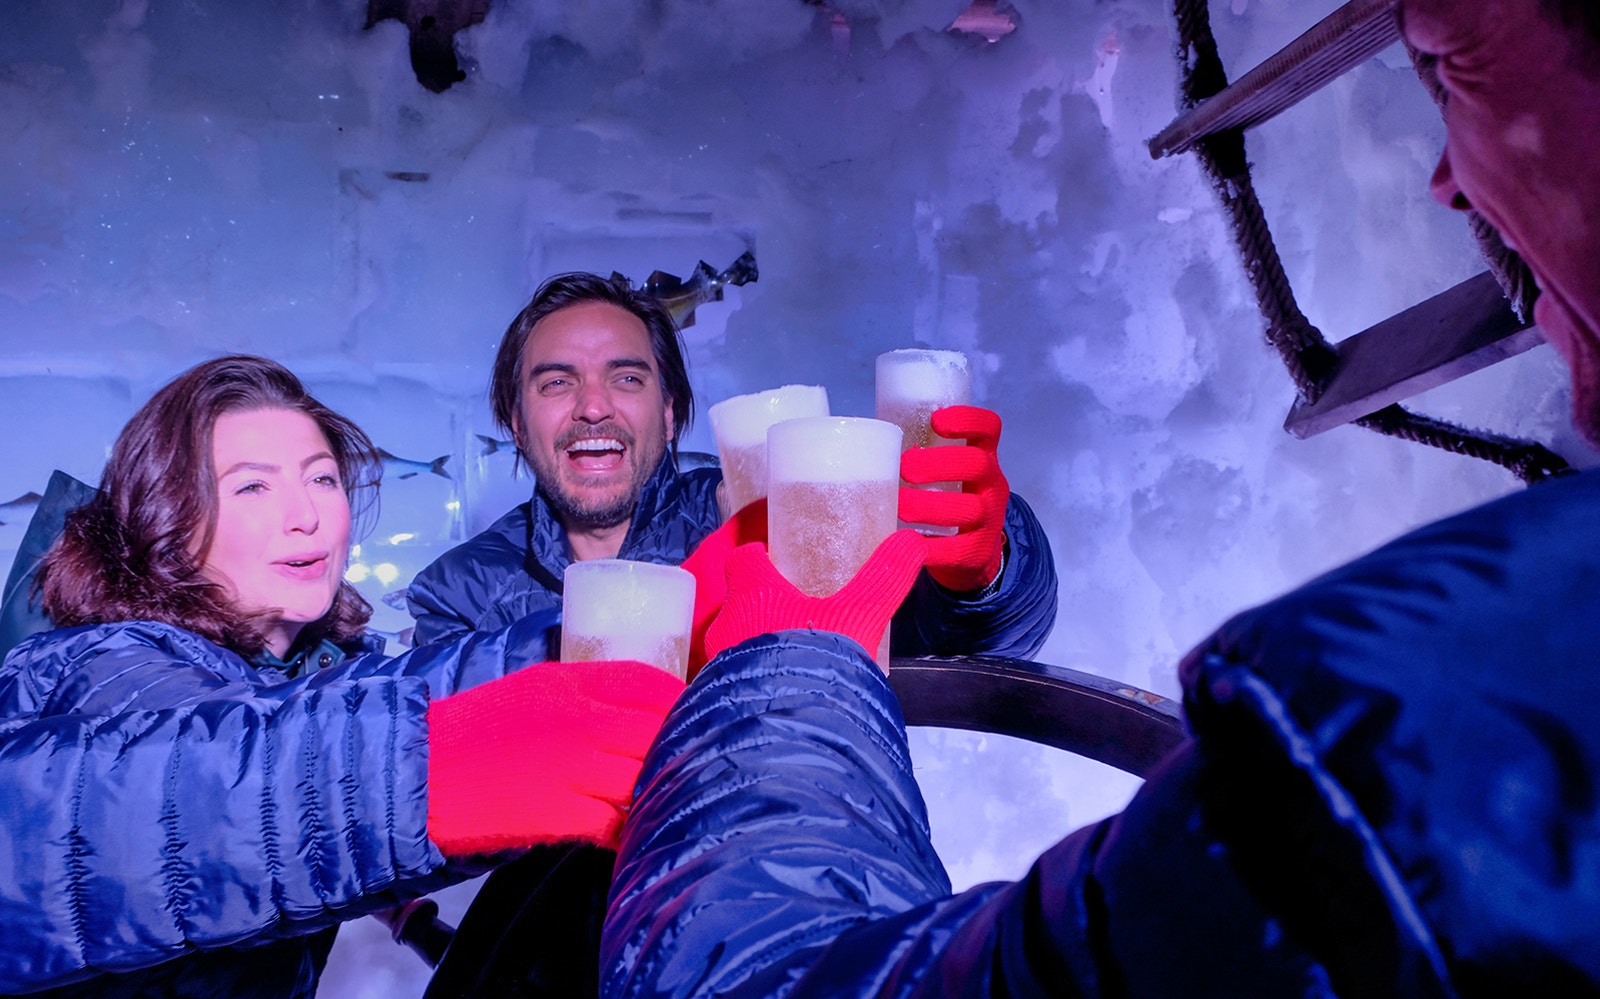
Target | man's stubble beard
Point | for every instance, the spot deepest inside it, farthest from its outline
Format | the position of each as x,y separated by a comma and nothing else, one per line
574,511
1586,394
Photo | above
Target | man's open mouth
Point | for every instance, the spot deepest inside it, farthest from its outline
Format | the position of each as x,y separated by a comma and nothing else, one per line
596,454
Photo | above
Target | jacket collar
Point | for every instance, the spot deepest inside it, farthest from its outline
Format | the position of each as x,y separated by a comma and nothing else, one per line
302,660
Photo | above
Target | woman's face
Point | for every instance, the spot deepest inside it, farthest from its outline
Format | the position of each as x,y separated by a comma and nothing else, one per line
283,520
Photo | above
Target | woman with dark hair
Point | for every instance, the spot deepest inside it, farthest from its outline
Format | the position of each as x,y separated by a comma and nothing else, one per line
208,765
131,552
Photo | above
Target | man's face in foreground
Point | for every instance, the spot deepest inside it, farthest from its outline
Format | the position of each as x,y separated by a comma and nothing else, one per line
592,418
1523,117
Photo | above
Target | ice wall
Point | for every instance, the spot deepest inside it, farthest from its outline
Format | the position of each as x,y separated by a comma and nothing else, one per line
179,180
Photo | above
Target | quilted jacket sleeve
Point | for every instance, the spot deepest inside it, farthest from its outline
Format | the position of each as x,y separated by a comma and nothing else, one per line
130,839
440,605
776,810
779,846
159,795
1011,618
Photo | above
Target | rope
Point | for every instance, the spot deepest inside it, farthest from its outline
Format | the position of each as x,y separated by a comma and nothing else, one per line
1306,353
1529,461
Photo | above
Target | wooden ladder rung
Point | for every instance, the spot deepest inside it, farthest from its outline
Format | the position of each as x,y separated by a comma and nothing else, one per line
1338,43
1452,334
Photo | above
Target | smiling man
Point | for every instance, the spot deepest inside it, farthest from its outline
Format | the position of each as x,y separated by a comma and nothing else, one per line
590,381
593,419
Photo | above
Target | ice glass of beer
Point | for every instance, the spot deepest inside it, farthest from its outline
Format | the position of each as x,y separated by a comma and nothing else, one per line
613,608
911,384
740,425
832,494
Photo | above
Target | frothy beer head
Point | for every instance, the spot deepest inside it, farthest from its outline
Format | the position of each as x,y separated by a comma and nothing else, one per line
619,609
911,385
742,421
833,449
740,425
921,380
941,376
833,498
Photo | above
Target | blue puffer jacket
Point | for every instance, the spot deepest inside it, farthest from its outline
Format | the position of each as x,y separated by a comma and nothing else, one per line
178,822
1391,790
515,567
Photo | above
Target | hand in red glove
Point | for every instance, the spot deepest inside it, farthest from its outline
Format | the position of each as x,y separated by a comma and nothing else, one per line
709,563
760,600
550,752
970,559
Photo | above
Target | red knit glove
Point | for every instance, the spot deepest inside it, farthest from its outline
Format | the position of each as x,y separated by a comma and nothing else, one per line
709,563
970,559
760,600
549,753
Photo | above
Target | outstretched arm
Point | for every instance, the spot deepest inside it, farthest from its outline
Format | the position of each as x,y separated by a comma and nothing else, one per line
779,842
242,812
135,838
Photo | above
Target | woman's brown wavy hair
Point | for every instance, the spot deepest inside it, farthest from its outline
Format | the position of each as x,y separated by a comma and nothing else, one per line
135,551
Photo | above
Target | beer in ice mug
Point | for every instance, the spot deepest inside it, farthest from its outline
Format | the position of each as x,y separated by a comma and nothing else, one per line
740,425
617,609
832,494
911,384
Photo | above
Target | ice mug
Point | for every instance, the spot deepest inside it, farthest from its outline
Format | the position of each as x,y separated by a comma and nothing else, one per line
740,426
618,609
911,384
833,492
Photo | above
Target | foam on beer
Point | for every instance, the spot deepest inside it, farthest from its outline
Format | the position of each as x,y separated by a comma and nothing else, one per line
832,499
742,421
832,449
911,385
740,425
940,376
621,609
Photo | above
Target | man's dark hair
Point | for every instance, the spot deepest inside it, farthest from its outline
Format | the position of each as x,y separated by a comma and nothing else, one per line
135,551
575,288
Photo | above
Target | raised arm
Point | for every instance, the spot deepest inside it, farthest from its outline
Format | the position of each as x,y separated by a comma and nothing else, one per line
990,587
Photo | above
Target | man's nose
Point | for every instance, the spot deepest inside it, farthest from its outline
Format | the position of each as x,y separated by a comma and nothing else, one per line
1443,185
594,403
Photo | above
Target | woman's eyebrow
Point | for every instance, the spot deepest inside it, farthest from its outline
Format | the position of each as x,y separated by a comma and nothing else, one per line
250,466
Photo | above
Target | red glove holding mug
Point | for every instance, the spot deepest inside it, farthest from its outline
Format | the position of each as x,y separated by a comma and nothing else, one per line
970,559
550,752
709,563
759,600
